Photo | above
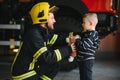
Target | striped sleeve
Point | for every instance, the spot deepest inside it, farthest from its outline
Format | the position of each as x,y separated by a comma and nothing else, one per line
86,41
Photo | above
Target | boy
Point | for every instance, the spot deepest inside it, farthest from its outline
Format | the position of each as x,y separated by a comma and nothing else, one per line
86,45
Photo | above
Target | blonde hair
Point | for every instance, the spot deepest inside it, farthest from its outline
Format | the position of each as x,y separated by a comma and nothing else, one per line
92,17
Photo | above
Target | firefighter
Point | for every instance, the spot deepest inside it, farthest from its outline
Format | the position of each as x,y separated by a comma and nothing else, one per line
36,59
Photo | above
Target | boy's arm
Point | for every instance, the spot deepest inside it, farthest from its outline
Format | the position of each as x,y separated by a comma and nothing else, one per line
85,42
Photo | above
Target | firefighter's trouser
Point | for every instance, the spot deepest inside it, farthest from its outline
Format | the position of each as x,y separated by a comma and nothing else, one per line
30,75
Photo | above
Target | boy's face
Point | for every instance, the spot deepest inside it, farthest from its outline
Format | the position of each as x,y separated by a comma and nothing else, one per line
86,24
51,21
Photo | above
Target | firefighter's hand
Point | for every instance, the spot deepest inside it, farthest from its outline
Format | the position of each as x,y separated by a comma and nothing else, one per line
73,54
73,48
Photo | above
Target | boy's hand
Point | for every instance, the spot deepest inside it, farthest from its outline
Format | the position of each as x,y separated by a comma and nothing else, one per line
71,40
77,36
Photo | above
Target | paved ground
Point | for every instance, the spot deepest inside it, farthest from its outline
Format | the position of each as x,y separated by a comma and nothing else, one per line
103,70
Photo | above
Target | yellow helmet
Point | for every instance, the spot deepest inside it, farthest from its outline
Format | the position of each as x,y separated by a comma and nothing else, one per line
39,12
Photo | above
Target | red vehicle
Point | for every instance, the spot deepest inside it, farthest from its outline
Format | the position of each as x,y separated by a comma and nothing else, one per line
71,12
107,11
108,6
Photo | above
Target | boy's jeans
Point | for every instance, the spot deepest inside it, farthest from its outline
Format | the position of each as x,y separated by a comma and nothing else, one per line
85,69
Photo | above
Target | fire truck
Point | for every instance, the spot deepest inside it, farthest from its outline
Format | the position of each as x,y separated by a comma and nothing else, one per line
107,15
14,19
71,11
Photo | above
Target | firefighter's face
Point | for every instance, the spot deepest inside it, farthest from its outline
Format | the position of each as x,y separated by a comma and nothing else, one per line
51,21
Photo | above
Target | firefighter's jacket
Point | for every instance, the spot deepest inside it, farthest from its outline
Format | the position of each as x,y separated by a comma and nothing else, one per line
36,55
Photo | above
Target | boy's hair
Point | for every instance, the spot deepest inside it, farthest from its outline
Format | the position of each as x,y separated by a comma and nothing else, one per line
92,17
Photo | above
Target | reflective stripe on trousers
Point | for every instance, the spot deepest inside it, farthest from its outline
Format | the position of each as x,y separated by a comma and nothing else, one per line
44,77
24,76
